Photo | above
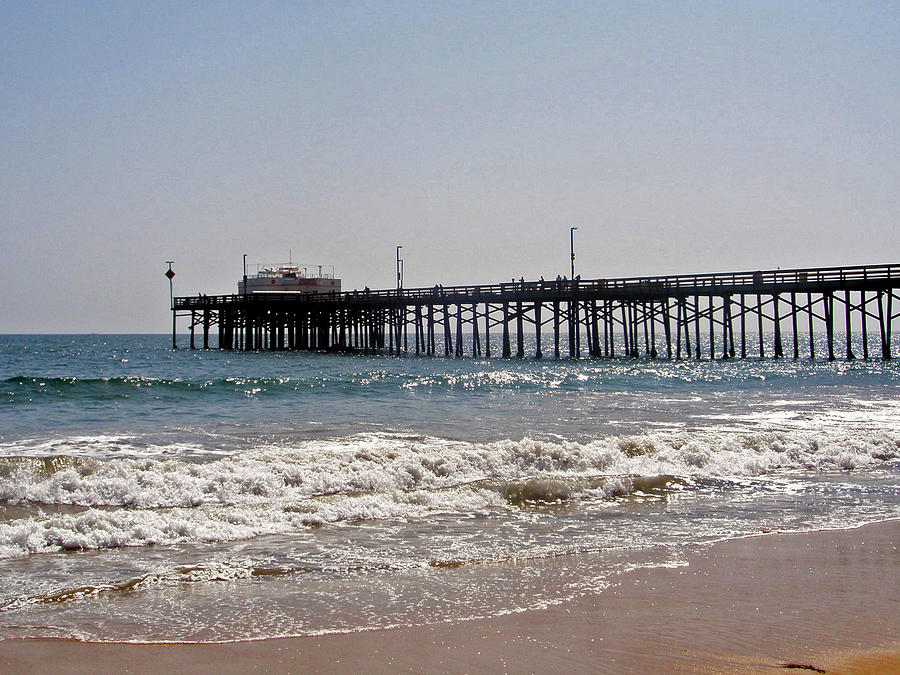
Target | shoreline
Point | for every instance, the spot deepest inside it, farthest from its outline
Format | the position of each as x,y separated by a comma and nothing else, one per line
826,599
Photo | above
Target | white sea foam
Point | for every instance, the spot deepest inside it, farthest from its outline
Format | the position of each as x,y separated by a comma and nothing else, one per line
275,489
101,446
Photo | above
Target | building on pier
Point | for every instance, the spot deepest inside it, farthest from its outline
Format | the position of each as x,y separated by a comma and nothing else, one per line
290,278
773,313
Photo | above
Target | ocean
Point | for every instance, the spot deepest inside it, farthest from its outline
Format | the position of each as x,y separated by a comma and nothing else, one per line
154,495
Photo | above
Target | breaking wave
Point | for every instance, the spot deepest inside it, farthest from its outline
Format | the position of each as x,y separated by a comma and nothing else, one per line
82,502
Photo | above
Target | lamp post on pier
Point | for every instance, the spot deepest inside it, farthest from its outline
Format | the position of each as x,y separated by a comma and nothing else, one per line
170,274
399,275
572,249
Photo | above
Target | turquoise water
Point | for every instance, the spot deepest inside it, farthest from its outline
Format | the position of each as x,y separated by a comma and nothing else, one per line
149,494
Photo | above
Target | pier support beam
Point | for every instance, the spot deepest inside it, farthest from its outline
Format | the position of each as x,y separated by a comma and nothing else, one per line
556,329
476,339
848,306
573,327
828,302
865,324
776,317
794,325
448,341
520,332
206,321
884,323
459,331
507,352
759,323
487,330
812,339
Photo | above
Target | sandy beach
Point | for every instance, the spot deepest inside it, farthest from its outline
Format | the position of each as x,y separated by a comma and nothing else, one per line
823,600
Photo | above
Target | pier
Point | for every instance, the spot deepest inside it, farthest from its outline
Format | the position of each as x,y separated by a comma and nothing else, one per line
772,313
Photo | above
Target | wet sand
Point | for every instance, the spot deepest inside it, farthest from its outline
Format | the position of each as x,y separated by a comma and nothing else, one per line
826,600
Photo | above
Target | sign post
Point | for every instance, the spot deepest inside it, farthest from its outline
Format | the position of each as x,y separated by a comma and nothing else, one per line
170,274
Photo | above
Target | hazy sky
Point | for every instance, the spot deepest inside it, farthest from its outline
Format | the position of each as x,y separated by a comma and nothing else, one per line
678,137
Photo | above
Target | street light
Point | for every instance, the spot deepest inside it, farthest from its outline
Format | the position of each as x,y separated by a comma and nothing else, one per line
399,278
572,248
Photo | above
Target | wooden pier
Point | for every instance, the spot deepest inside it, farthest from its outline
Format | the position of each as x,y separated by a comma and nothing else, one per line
773,313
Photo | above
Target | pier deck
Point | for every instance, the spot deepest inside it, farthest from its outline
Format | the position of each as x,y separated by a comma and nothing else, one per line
684,316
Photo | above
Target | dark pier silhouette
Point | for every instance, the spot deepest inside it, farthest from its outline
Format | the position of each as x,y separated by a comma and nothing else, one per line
774,313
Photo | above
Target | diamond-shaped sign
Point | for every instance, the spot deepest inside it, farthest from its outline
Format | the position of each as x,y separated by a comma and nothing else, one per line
170,273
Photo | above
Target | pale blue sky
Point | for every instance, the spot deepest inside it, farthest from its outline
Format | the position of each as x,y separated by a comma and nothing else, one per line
678,138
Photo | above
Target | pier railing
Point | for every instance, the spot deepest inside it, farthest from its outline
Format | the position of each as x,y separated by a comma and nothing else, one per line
748,280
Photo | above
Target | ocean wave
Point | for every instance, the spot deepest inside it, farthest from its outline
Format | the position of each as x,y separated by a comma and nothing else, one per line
100,446
23,387
277,490
348,377
373,463
552,490
214,571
